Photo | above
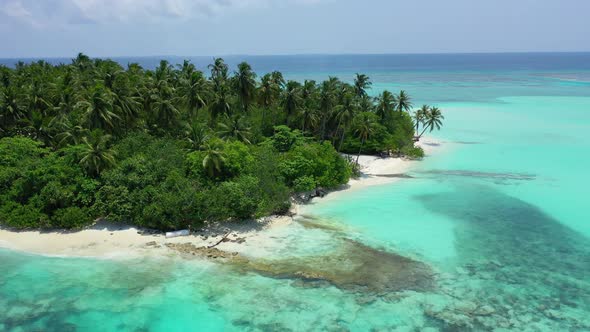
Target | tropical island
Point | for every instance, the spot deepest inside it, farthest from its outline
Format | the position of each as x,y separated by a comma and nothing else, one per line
173,148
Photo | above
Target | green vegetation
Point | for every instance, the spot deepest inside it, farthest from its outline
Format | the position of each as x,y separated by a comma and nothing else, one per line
172,147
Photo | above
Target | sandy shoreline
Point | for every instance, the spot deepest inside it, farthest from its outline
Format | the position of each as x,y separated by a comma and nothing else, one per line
106,240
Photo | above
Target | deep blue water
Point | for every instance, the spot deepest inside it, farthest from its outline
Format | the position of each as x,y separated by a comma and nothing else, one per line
368,63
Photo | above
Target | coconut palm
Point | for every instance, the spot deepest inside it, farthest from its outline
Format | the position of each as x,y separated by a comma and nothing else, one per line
235,127
194,90
69,134
219,70
327,101
213,159
277,79
432,120
35,97
125,104
98,109
245,84
291,99
309,118
345,112
364,127
11,110
361,84
403,102
420,115
96,156
196,134
110,74
186,69
82,62
164,71
385,105
37,127
266,91
221,104
166,111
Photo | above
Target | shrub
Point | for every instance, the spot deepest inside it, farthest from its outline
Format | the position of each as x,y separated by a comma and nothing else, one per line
71,217
413,152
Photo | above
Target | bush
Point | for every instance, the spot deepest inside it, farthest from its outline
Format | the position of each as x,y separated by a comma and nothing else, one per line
37,183
71,217
304,183
284,139
113,203
316,161
413,152
22,216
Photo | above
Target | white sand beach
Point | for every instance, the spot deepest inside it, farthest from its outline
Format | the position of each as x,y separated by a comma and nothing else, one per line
107,240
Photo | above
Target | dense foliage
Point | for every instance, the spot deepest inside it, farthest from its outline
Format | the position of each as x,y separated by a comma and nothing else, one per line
172,147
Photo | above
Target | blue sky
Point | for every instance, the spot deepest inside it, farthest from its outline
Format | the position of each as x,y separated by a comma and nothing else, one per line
53,28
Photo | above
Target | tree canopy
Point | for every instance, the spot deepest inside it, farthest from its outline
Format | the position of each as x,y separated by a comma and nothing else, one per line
173,146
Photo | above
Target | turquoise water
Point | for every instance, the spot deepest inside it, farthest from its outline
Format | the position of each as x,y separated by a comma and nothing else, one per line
500,216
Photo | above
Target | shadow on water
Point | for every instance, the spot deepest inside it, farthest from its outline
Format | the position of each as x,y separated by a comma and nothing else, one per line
498,178
524,263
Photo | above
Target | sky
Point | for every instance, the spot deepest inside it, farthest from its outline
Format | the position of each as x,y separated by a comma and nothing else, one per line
62,28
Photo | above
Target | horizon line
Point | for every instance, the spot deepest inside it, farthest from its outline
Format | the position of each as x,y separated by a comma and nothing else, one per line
292,54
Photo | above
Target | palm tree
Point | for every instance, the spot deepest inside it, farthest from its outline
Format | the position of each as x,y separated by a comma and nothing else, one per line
70,135
403,102
196,134
213,160
163,71
266,91
37,127
110,75
309,117
195,89
291,99
82,62
432,120
125,104
245,82
277,79
344,114
98,109
96,156
221,104
364,128
219,70
327,100
164,104
420,115
11,110
36,98
186,69
235,128
166,111
361,84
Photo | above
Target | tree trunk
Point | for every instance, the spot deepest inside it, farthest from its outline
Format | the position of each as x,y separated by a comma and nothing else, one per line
323,129
422,133
361,149
341,141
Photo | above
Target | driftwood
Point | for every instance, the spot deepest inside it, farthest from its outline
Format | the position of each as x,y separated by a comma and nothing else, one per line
218,242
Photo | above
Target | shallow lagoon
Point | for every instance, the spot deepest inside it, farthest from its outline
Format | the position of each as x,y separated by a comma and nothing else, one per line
499,217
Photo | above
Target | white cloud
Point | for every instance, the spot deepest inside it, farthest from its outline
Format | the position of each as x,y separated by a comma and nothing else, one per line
64,12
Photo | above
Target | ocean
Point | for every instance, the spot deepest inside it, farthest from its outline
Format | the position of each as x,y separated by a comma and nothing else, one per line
499,216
